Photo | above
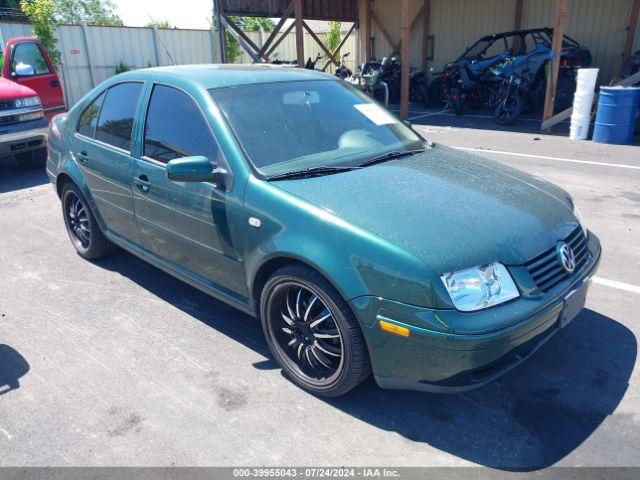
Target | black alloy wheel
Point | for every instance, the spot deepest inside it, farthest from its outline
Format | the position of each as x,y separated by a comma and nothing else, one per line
312,333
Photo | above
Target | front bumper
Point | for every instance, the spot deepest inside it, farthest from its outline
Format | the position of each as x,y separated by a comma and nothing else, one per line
437,358
23,137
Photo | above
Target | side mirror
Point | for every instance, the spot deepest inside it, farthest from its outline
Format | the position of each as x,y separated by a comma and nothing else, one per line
408,123
24,70
191,169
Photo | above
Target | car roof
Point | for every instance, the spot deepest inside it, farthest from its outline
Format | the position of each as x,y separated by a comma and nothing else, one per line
212,76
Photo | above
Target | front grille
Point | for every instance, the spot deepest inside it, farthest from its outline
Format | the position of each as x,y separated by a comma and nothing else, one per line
6,105
546,269
8,119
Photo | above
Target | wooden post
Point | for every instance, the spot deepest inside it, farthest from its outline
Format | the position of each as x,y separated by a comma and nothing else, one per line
404,77
631,29
517,21
425,34
367,30
297,6
222,37
554,67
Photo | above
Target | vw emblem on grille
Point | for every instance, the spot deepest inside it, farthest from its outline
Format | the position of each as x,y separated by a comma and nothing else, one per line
567,257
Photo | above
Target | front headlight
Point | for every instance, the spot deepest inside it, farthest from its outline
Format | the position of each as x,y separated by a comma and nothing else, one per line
480,287
28,102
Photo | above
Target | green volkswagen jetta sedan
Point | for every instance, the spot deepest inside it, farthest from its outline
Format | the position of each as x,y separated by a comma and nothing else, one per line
359,245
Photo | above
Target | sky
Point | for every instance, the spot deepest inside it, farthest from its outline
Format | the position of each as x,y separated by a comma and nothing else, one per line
181,13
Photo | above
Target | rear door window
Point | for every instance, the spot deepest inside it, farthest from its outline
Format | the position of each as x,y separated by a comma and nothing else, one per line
117,114
175,127
89,118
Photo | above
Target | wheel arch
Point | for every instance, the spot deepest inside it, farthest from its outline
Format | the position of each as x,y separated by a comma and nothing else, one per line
272,264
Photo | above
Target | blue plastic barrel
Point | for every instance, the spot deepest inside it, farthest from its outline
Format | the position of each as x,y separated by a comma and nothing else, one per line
617,113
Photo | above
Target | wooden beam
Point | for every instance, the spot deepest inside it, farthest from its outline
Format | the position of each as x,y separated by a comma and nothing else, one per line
425,34
631,29
297,6
404,77
231,24
563,115
367,30
279,40
275,32
386,35
340,45
322,46
556,45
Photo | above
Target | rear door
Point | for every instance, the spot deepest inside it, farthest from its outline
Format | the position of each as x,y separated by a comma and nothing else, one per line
22,53
102,147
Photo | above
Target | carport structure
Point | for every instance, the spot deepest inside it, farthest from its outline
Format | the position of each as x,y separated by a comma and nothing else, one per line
433,32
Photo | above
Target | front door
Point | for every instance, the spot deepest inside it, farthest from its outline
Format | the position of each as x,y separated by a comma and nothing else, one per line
188,225
102,146
30,65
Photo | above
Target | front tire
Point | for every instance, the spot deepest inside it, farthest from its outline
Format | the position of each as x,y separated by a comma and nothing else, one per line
82,227
312,333
508,109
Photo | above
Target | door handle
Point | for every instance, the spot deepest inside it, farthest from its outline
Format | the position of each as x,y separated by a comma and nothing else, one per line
142,182
55,83
83,158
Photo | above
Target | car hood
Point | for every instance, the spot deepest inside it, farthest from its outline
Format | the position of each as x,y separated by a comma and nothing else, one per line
451,209
10,90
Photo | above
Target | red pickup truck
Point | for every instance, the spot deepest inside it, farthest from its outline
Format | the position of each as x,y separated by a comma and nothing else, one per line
30,95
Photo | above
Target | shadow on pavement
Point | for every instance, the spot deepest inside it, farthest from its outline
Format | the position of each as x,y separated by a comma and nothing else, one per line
529,419
13,366
16,177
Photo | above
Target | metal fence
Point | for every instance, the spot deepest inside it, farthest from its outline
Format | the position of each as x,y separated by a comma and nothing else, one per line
91,54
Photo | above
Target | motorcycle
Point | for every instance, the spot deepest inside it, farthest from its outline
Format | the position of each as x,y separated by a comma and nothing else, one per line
343,71
311,64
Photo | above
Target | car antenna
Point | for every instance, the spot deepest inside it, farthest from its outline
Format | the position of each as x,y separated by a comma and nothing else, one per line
166,50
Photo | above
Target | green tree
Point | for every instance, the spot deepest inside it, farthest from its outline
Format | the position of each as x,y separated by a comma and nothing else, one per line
334,35
159,24
43,21
94,12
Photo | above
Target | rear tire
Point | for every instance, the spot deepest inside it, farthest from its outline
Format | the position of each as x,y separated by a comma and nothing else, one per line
82,227
312,333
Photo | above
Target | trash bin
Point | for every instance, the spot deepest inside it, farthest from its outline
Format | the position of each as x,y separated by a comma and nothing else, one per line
616,116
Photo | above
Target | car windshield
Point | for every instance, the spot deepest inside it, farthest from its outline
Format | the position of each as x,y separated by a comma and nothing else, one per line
291,126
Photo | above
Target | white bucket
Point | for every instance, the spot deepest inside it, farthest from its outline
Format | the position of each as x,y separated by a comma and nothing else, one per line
582,103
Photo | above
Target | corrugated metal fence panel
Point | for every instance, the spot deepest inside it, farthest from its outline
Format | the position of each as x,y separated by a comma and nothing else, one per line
185,46
10,30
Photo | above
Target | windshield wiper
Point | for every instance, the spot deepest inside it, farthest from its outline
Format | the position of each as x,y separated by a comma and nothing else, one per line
390,156
310,172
